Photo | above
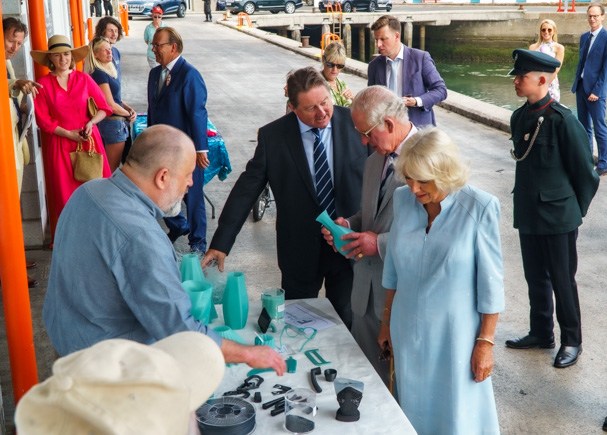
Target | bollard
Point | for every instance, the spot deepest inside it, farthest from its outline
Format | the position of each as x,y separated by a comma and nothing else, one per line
89,29
305,41
124,18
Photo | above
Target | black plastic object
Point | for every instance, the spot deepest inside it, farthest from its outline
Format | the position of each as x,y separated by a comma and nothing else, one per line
313,373
279,409
349,399
257,397
264,321
280,389
272,403
226,415
330,375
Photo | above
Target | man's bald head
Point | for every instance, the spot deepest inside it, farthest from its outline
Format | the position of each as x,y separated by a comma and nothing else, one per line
159,146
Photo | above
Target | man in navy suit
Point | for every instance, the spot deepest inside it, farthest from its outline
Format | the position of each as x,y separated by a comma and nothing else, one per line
408,72
590,83
177,96
288,155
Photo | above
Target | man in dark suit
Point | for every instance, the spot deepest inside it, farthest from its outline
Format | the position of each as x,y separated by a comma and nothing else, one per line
554,185
313,159
408,72
382,116
177,96
590,83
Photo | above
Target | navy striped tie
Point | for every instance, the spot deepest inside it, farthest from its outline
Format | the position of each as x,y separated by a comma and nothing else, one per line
324,183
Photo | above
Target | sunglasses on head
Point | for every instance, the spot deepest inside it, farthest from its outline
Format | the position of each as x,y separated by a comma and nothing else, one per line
331,65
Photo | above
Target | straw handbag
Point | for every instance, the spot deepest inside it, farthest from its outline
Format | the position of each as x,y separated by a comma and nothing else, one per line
87,164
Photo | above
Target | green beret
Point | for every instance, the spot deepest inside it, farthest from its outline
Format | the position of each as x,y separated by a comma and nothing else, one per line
528,60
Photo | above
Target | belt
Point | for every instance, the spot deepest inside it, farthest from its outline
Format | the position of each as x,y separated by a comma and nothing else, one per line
116,118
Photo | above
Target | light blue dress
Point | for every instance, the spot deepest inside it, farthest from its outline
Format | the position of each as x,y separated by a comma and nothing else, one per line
444,280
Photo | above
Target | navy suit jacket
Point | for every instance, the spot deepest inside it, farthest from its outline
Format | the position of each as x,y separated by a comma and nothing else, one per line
595,68
181,103
420,79
280,159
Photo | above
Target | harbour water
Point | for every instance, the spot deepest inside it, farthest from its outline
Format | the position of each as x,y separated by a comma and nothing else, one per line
491,82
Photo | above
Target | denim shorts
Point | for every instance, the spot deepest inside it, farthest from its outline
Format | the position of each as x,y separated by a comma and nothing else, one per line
113,130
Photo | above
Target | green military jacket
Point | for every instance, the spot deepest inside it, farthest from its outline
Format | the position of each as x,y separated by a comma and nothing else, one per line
555,183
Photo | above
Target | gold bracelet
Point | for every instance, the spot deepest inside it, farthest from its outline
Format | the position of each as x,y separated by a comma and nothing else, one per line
491,342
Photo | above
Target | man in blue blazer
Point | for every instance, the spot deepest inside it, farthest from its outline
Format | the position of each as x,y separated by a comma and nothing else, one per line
286,157
590,83
177,96
408,72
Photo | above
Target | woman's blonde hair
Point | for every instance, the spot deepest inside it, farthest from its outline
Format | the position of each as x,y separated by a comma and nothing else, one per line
554,31
93,63
431,155
335,52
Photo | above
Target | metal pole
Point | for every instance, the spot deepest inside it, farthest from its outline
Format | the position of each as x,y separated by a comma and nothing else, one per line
15,294
37,26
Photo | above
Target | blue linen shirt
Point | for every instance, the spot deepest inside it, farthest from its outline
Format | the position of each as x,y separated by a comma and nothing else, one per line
114,271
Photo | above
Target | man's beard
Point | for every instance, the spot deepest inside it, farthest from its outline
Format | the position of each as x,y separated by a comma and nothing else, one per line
173,210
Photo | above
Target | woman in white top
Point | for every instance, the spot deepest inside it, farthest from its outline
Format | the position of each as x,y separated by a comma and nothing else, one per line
546,43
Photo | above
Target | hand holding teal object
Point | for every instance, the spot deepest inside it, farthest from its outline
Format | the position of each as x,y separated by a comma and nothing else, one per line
337,231
235,301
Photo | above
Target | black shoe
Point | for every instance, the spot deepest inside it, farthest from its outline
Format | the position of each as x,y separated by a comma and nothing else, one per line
605,425
31,282
529,342
173,236
567,356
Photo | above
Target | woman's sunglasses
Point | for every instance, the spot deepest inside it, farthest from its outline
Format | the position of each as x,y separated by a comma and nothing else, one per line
332,65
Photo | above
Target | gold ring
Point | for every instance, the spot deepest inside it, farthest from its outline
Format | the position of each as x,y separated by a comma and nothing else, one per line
359,256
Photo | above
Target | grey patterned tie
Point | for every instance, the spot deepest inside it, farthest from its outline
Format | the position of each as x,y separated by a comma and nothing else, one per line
389,171
324,183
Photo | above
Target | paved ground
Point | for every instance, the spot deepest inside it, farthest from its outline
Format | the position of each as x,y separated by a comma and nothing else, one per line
245,77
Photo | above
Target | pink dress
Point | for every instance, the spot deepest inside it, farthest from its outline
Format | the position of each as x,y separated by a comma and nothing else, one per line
68,109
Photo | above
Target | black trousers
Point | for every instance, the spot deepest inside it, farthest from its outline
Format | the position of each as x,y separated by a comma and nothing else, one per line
336,272
550,264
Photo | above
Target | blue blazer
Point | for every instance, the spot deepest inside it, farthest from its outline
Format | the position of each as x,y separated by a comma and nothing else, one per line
181,103
595,69
420,79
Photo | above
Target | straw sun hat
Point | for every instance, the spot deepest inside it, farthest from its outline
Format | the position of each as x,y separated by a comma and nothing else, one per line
59,44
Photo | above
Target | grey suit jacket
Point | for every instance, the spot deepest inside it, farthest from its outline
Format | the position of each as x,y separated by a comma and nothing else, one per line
368,271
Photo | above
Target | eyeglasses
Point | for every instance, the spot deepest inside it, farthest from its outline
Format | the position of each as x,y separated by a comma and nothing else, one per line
332,65
156,45
547,30
366,133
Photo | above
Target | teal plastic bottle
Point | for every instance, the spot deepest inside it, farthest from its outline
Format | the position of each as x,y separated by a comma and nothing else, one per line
235,301
336,231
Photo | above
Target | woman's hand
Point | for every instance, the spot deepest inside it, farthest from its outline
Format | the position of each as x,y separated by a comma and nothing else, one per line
384,339
87,129
482,361
348,94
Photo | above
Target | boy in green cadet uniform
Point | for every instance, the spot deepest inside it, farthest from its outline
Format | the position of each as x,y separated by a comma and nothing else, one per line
553,187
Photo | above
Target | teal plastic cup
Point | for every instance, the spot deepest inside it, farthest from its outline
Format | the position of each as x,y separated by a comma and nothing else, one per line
273,300
190,268
201,297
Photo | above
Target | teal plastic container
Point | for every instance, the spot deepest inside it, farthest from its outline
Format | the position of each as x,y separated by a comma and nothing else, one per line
235,301
337,231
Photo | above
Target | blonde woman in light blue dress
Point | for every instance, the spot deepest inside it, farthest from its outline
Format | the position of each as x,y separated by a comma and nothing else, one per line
547,43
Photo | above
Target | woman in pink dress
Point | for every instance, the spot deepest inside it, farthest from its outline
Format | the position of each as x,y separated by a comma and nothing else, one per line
62,115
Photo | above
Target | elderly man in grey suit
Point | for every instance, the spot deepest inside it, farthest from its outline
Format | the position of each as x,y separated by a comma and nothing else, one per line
381,119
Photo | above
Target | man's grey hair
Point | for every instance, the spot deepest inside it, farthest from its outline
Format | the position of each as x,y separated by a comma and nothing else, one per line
377,102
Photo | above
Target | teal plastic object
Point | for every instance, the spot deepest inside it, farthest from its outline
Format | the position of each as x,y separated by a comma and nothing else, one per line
190,268
235,301
337,231
229,334
201,297
291,365
264,340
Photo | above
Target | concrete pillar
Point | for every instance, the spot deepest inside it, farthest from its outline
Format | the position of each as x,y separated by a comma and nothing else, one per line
296,35
348,39
372,46
408,33
325,29
362,43
422,37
